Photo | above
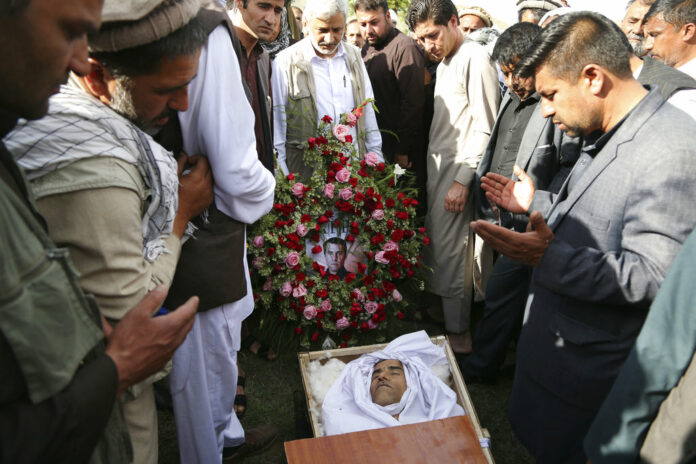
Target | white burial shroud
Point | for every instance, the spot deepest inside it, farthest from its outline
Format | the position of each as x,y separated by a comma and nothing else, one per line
348,406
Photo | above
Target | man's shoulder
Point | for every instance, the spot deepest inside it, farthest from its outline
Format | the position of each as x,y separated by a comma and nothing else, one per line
293,53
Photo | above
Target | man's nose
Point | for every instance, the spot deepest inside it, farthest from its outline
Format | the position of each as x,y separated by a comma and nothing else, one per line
78,58
546,109
179,100
648,42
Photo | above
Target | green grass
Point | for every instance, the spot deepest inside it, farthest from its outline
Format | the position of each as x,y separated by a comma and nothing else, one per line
271,385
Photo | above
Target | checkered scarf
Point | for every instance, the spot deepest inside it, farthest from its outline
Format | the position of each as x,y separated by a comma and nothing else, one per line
79,126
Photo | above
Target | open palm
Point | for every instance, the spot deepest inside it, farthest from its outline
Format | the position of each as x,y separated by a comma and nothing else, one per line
515,197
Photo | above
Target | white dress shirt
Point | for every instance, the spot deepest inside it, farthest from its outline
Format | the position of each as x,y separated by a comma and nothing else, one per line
684,99
689,68
334,94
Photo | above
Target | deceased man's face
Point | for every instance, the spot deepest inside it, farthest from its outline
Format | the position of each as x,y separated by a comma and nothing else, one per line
388,382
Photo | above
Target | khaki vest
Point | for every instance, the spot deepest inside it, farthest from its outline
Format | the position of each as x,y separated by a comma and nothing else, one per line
301,108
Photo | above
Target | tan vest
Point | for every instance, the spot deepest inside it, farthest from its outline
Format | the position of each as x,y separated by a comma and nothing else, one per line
302,107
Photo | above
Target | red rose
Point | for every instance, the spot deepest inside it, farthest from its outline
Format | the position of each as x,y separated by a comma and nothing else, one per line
291,176
400,315
323,219
358,197
364,327
316,249
348,138
353,181
270,251
426,241
343,345
300,276
380,168
350,277
390,224
388,286
326,118
361,268
311,141
305,218
315,336
282,317
397,235
298,330
390,202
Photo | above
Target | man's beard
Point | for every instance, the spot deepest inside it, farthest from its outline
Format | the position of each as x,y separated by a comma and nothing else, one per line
637,47
318,49
122,103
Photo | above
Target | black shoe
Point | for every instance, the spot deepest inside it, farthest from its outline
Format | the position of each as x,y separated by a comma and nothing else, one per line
256,441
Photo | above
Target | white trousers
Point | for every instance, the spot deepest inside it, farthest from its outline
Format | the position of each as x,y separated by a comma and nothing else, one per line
204,383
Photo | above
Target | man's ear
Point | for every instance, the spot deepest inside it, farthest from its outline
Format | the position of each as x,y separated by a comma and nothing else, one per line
97,81
688,32
593,77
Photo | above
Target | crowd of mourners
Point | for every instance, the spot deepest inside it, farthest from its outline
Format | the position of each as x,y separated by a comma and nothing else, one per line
555,163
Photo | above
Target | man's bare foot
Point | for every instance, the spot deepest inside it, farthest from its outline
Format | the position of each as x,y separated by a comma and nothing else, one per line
240,402
460,343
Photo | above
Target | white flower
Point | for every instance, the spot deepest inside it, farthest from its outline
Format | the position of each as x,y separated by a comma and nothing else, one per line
398,171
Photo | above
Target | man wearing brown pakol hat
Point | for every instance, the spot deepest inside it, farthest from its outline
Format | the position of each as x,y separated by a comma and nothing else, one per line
220,125
111,195
62,367
531,11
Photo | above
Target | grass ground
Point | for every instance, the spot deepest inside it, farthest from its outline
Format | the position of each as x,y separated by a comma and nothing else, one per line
271,387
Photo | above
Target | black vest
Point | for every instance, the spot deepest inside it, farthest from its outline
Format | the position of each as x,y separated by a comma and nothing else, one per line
668,79
211,265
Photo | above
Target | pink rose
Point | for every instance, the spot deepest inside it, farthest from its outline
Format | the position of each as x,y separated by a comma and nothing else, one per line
371,324
340,131
371,307
352,119
390,246
292,259
343,175
302,230
326,305
267,285
258,241
378,214
358,294
310,312
345,194
379,257
257,263
286,289
396,295
299,291
371,159
329,190
298,189
342,323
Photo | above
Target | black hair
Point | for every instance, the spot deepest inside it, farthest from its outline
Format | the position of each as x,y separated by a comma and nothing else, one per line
336,241
538,13
676,12
146,59
575,40
439,11
514,42
371,5
13,7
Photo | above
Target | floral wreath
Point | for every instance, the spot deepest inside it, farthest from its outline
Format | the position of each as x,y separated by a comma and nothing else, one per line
369,201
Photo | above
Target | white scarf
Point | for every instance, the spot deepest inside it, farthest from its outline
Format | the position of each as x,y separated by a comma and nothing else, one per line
78,126
348,406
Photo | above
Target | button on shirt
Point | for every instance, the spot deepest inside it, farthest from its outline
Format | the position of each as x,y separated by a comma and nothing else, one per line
513,123
334,93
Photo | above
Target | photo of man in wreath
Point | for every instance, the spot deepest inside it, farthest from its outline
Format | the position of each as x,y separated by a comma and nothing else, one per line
335,255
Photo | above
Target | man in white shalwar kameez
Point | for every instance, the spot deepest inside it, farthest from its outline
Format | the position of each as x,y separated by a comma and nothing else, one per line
349,405
220,124
466,104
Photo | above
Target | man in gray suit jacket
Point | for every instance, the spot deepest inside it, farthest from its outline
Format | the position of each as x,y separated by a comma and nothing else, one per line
521,136
602,245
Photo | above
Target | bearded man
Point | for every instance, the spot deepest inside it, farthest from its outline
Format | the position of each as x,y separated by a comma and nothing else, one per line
319,76
111,195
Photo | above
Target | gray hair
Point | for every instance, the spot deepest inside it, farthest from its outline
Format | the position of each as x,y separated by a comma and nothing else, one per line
324,9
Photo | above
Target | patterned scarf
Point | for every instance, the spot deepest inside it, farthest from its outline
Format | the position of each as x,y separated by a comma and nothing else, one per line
78,127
